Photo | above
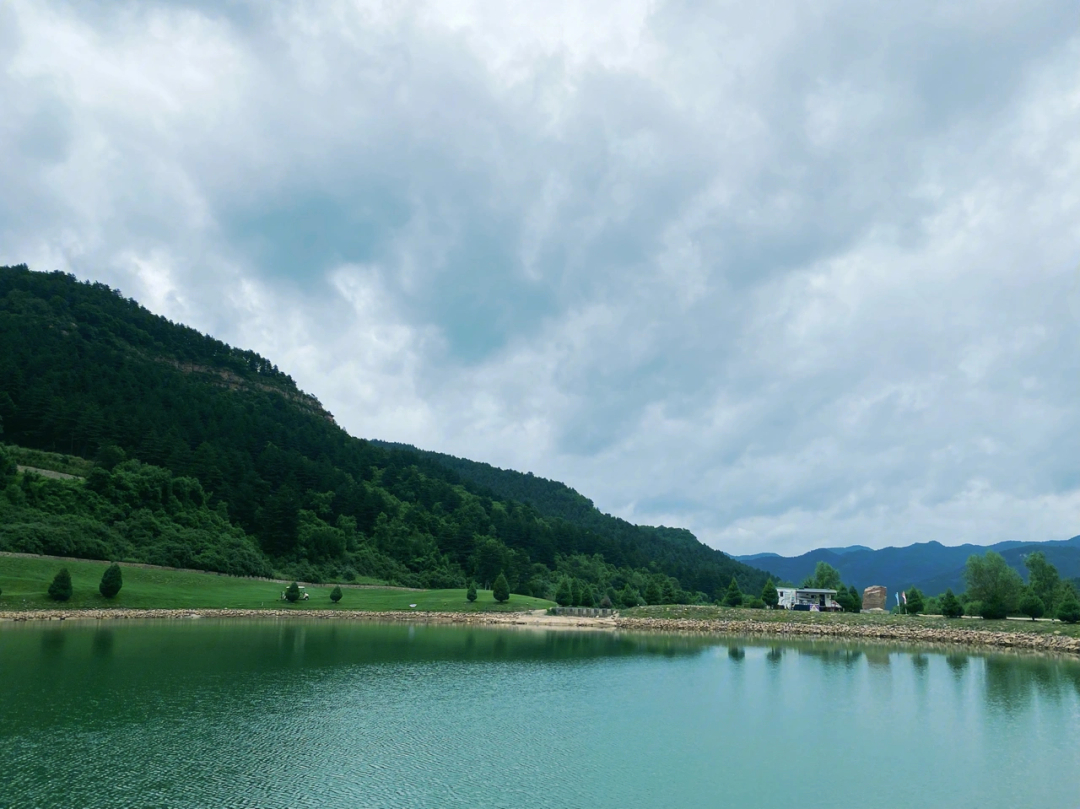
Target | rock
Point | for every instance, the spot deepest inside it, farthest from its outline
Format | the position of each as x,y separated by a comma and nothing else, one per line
874,598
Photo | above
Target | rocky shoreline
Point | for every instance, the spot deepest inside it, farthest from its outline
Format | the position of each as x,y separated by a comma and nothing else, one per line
894,633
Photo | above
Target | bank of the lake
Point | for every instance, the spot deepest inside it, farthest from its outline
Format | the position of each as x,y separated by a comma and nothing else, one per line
976,633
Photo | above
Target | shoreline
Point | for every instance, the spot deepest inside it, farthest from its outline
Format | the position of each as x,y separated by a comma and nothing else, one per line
539,619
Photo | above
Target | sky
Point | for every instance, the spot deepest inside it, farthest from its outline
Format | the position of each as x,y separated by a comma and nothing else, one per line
786,274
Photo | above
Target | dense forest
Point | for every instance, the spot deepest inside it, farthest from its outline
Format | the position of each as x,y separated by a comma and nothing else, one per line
210,456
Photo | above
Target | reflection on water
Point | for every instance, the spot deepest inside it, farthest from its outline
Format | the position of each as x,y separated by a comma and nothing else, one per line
329,713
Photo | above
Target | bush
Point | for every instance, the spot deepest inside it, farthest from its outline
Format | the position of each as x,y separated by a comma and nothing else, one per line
470,594
111,581
335,595
753,603
60,589
501,589
292,593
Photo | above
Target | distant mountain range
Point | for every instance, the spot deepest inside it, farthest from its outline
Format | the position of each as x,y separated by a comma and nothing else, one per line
930,566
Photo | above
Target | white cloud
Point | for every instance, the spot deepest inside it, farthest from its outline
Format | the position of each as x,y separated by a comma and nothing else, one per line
786,275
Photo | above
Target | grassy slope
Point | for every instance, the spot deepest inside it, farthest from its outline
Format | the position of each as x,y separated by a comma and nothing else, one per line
25,581
708,613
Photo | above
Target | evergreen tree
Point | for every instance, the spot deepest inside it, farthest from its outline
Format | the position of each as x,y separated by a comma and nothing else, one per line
335,595
653,595
111,581
1068,609
733,596
856,598
575,593
915,603
588,598
60,589
769,595
501,589
629,596
606,602
292,593
564,594
950,605
1031,605
471,592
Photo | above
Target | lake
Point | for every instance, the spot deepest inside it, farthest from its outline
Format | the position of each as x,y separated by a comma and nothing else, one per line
297,713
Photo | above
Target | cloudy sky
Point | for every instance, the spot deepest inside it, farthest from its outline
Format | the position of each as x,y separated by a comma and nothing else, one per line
787,274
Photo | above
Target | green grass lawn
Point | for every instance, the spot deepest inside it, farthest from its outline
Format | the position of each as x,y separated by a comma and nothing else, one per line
710,613
25,582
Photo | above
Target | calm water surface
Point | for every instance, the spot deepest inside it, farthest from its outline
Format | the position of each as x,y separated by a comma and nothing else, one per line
334,714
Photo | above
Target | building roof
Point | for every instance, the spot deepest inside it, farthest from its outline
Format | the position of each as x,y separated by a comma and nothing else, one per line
812,590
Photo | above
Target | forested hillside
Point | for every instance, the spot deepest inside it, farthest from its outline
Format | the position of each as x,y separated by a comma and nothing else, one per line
86,372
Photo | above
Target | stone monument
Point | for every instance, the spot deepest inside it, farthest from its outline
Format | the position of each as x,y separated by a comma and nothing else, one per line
874,598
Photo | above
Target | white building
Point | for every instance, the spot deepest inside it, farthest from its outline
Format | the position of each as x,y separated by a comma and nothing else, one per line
807,598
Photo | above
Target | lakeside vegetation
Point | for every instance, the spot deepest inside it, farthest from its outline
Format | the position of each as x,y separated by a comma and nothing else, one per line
24,584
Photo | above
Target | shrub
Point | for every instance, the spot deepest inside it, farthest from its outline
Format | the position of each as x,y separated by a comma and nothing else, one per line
753,602
60,589
292,593
470,594
501,589
605,603
335,595
111,581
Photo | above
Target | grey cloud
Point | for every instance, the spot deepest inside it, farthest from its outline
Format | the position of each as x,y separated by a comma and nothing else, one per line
786,274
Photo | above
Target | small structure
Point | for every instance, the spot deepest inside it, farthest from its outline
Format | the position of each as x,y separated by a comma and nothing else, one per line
874,598
807,598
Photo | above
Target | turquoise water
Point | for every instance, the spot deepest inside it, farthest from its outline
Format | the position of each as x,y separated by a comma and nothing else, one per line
336,714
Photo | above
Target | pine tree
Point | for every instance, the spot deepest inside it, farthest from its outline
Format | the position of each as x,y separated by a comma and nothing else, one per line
588,598
564,595
733,596
653,595
575,593
111,581
292,593
950,605
471,592
60,589
335,595
769,595
629,596
915,603
856,598
1068,609
501,589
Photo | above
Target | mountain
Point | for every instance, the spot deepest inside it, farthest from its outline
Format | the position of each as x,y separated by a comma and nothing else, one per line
688,559
930,566
89,373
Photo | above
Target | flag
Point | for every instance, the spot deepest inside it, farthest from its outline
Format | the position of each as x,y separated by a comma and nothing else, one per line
898,599
905,599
